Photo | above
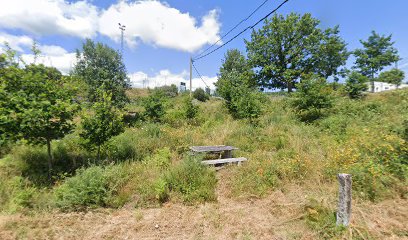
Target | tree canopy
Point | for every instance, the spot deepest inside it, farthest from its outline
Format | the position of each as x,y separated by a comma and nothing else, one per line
377,53
286,47
99,65
394,76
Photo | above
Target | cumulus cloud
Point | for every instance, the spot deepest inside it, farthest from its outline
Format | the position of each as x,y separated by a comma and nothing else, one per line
156,23
51,55
15,42
165,77
45,17
148,21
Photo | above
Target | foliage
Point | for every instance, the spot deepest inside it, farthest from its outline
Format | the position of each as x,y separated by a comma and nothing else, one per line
91,187
394,76
102,123
356,84
36,104
236,85
247,104
99,65
168,91
190,109
377,52
154,107
285,48
312,98
200,95
193,181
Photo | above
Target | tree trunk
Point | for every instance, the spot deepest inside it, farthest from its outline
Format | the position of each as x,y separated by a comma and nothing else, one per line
50,159
290,87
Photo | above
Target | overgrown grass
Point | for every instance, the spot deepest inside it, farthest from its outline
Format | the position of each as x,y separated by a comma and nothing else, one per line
146,164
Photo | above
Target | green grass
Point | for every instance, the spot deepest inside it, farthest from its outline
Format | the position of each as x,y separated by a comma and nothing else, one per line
146,165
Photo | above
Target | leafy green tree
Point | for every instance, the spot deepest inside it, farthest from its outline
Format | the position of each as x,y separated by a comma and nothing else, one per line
234,72
312,98
36,104
200,95
356,84
190,109
377,53
154,106
102,122
99,65
332,54
247,103
394,76
287,47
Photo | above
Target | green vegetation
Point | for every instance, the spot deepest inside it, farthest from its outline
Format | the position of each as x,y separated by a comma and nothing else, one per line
356,84
304,137
394,76
288,46
200,95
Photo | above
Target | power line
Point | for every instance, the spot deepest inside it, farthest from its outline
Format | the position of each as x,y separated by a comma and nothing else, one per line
250,27
200,75
223,36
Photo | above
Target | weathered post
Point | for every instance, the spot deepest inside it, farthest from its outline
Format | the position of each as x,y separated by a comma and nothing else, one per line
344,209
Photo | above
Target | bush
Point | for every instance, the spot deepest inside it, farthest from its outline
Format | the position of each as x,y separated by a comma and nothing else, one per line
190,110
356,84
168,91
312,98
91,187
191,181
200,95
154,107
246,103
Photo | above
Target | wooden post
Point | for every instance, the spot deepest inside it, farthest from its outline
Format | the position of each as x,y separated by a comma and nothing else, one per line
344,209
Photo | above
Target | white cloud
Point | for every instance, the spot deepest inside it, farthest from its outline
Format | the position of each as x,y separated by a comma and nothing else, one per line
51,55
165,77
45,17
15,42
63,63
156,23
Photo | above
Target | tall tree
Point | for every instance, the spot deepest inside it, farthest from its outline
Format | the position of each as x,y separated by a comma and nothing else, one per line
394,76
377,53
286,47
36,104
99,65
332,54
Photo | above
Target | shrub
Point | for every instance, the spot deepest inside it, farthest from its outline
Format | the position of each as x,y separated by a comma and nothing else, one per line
356,84
191,181
154,107
190,110
200,95
312,98
246,104
91,187
168,91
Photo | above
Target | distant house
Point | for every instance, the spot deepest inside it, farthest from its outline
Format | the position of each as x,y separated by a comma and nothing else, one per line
382,86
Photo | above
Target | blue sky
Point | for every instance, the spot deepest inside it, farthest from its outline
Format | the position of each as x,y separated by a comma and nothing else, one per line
161,35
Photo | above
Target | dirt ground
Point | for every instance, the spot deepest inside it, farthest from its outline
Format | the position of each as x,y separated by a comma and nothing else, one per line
280,215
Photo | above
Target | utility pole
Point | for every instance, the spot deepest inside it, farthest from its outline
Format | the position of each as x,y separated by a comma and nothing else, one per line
122,29
191,77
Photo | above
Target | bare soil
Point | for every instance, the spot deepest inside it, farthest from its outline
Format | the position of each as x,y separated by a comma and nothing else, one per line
279,215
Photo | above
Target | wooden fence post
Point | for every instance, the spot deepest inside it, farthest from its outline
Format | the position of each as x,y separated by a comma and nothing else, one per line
344,209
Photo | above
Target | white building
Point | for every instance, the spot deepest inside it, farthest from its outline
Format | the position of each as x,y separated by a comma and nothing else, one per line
382,86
